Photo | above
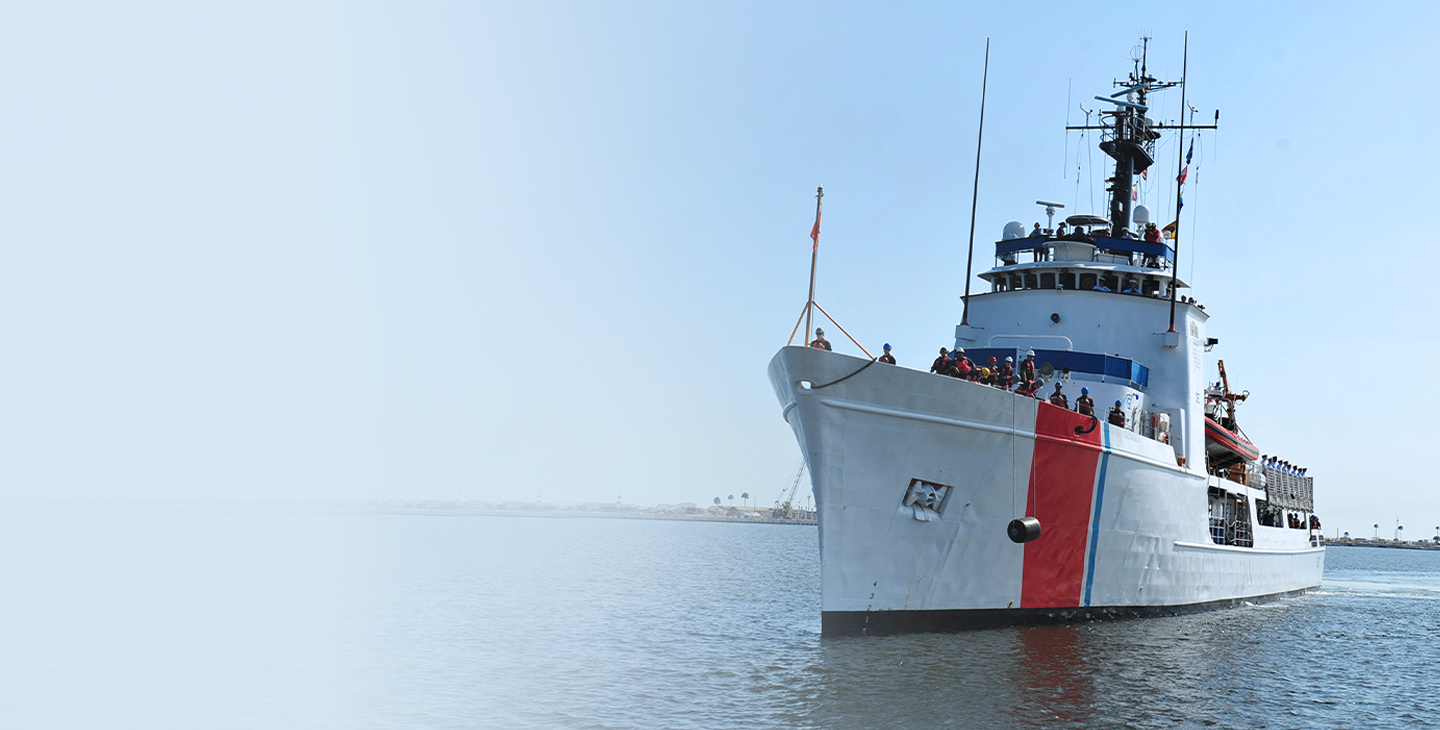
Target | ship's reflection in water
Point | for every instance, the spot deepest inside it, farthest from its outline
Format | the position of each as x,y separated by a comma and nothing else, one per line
1037,676
1052,669
1227,668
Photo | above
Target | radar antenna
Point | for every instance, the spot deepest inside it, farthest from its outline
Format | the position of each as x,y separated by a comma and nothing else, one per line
1049,213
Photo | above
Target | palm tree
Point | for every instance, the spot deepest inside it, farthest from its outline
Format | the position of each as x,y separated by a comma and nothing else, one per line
745,496
717,501
732,499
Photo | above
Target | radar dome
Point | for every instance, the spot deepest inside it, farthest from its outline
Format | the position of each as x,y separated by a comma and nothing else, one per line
1014,229
1141,214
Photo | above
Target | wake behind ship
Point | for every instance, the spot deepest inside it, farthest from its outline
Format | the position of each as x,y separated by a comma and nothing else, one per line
952,502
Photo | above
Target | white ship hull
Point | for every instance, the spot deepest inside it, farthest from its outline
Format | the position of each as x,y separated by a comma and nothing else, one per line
1124,527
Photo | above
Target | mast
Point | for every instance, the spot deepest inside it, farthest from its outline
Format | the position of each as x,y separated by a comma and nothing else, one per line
1129,138
1179,166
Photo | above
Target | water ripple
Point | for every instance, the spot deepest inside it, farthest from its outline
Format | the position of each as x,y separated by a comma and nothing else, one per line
246,621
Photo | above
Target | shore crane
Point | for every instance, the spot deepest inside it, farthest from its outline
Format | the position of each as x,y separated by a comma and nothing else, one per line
786,501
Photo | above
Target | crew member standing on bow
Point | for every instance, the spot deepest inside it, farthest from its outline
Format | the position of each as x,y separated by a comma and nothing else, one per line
1083,405
820,340
886,358
1027,368
1117,416
941,363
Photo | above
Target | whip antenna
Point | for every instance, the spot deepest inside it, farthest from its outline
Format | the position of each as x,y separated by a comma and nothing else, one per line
975,194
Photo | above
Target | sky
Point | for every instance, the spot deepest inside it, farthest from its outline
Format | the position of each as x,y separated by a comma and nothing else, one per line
546,250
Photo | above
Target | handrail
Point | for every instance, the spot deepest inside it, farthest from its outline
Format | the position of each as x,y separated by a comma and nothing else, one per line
1130,245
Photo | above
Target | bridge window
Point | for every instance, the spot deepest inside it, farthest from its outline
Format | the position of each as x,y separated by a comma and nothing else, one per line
1067,280
1150,287
1111,282
1032,281
1087,282
1047,281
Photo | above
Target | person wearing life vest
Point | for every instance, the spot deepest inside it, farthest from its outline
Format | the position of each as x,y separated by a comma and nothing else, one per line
1058,399
941,363
887,358
820,342
1117,416
1083,405
1007,373
963,368
1027,367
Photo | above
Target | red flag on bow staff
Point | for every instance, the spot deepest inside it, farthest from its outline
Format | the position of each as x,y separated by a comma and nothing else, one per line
815,233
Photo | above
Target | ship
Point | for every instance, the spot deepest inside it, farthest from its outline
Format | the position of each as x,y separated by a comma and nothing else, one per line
946,503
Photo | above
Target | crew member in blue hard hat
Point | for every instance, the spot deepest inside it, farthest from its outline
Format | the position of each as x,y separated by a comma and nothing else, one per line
887,358
820,340
1084,405
1117,416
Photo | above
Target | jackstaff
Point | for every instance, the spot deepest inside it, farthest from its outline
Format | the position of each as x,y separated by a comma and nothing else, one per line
814,253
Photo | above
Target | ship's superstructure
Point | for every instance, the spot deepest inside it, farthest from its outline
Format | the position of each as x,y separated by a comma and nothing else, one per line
1155,503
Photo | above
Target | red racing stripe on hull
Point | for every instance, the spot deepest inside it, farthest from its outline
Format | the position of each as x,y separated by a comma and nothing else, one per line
1062,485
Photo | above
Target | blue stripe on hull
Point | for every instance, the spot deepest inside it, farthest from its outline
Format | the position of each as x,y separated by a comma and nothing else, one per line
1095,513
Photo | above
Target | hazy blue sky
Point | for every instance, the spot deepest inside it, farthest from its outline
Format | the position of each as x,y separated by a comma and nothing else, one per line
476,250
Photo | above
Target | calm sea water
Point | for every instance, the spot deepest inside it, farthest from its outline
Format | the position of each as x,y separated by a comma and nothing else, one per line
132,620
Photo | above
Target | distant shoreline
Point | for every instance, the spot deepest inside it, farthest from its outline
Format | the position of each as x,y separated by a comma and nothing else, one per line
431,508
1382,544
